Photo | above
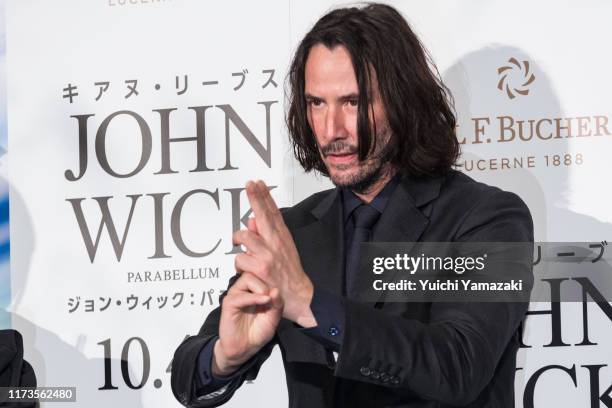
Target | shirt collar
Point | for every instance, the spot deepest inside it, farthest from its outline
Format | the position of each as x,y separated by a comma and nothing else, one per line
351,201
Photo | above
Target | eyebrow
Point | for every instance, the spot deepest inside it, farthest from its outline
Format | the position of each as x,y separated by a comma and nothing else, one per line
342,98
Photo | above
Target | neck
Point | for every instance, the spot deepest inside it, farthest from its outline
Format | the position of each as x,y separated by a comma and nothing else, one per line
368,195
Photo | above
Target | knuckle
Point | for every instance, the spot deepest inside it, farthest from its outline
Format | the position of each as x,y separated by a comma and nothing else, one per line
264,271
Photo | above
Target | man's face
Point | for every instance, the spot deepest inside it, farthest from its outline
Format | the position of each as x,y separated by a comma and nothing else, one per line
332,95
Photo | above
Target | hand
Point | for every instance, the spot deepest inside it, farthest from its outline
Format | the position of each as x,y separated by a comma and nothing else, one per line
272,256
250,313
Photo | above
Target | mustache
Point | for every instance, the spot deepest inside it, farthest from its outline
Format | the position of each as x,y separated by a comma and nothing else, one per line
338,147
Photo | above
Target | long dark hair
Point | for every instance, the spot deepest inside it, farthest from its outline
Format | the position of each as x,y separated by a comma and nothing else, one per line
417,104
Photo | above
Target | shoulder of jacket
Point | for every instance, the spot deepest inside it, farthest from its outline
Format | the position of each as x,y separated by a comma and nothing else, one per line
461,190
302,211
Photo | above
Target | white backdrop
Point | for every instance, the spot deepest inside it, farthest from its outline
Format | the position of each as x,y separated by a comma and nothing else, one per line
215,70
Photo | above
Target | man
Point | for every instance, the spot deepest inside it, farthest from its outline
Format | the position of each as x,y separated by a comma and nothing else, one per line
367,111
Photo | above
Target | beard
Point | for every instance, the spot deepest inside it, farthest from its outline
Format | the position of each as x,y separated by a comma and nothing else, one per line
374,167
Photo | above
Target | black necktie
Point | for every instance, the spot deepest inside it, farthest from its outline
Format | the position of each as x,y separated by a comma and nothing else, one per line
364,217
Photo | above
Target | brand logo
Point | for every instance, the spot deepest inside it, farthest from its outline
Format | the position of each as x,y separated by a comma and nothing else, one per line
515,78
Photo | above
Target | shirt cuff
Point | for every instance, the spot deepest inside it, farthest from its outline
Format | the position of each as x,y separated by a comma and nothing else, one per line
209,382
328,310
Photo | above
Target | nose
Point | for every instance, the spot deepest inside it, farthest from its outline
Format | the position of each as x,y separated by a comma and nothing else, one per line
334,124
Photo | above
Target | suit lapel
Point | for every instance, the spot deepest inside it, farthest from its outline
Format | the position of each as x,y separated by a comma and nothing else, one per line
323,245
401,221
406,217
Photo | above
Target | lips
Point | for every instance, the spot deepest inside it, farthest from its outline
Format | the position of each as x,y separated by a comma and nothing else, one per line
341,158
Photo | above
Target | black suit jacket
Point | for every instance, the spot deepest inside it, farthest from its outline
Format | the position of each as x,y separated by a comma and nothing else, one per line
14,370
440,354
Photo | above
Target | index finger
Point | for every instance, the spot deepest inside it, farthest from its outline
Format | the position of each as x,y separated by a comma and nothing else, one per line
267,197
260,207
275,217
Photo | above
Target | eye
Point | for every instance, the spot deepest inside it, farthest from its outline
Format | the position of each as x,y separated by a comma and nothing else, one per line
353,102
314,102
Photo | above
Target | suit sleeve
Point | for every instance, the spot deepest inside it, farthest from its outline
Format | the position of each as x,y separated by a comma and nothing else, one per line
452,357
186,385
